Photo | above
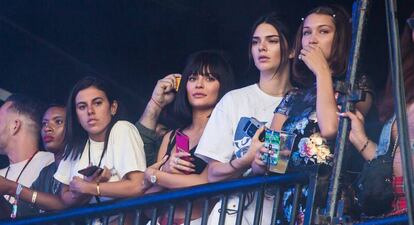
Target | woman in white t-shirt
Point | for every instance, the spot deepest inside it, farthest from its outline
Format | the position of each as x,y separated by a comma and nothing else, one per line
224,145
95,136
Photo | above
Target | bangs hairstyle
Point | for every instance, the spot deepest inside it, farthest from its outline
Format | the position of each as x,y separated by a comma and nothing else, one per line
341,45
206,63
75,136
285,37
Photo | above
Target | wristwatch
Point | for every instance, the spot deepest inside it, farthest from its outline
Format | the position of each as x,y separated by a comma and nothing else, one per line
153,179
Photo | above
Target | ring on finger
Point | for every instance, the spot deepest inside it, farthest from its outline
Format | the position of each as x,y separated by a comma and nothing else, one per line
176,160
300,57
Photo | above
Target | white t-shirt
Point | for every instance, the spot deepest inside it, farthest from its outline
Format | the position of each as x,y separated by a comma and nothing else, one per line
32,170
124,154
223,135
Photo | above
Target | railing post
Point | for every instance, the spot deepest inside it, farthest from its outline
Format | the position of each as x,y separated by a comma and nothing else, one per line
400,105
359,14
310,200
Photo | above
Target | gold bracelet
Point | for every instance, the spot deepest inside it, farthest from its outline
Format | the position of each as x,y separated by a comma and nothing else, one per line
34,197
98,190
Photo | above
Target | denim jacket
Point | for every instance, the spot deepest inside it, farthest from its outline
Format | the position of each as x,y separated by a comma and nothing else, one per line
385,137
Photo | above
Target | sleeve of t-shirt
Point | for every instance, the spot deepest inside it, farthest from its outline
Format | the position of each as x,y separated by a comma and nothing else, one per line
216,143
64,172
286,104
128,148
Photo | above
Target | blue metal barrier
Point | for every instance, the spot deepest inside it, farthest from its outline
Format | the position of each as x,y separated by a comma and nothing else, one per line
153,201
403,219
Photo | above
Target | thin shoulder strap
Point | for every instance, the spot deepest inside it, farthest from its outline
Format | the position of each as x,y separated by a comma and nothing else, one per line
171,142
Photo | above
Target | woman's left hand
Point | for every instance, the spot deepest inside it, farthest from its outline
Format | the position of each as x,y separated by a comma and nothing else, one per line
79,185
314,59
151,170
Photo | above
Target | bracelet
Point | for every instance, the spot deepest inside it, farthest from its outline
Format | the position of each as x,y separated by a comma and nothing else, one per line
98,190
231,164
157,103
19,189
34,197
364,147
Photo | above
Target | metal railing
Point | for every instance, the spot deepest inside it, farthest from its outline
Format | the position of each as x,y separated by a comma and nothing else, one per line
208,193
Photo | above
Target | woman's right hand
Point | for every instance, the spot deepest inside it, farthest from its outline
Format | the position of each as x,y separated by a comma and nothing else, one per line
164,91
100,176
314,59
357,133
258,166
254,147
177,164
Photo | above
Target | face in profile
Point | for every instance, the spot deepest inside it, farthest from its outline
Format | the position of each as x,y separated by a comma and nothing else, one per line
202,90
94,112
266,48
319,30
53,126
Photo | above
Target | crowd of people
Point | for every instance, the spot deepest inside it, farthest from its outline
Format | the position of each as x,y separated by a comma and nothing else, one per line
91,154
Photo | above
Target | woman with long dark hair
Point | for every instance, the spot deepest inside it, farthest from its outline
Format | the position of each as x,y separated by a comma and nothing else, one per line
224,145
95,136
207,76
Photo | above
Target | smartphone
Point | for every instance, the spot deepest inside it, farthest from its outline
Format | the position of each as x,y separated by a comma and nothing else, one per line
251,127
177,83
182,144
89,171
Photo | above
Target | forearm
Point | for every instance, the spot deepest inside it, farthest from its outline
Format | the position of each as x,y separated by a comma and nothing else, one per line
42,200
71,199
219,171
173,181
154,189
149,117
326,107
366,147
130,186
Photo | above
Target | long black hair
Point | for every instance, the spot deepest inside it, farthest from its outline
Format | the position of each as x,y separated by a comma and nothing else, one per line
205,62
75,136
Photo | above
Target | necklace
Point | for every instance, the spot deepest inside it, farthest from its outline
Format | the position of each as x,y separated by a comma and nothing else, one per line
99,164
89,154
21,172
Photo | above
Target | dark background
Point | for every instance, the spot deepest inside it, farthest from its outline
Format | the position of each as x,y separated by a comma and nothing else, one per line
47,45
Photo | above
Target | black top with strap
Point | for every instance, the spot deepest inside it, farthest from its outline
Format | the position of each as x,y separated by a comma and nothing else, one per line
199,163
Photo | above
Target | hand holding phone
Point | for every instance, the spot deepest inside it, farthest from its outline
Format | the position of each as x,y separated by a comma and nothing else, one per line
89,171
251,127
182,144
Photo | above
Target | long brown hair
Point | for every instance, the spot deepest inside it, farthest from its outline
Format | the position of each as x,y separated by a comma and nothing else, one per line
341,45
386,107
